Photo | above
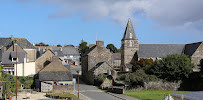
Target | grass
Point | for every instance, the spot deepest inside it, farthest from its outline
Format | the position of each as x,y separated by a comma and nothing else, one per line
151,94
62,95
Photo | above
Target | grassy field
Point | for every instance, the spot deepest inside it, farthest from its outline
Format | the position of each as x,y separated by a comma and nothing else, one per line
151,94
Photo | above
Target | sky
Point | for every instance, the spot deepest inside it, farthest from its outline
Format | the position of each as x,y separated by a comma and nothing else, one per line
69,21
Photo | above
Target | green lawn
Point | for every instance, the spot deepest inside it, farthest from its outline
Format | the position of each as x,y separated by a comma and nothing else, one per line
151,94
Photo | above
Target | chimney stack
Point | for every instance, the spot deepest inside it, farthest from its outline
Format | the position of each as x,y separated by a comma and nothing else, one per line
100,43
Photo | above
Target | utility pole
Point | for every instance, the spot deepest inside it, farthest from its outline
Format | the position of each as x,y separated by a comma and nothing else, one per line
16,71
78,82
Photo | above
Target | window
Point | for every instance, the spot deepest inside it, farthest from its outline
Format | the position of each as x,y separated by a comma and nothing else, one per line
131,43
14,59
131,36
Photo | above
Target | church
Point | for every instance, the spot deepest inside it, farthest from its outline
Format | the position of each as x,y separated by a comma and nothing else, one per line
132,51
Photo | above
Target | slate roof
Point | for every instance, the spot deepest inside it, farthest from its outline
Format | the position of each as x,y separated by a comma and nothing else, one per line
90,49
7,57
22,42
129,29
55,71
58,53
116,56
191,48
98,65
70,51
159,50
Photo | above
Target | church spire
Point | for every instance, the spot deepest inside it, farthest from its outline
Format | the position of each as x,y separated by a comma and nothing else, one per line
129,33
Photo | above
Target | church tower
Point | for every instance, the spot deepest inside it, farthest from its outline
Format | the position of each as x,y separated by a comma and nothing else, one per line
129,46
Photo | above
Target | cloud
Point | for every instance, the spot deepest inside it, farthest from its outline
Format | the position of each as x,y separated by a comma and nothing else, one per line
182,14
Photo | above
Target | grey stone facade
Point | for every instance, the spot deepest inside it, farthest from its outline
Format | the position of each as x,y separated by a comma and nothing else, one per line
132,51
95,55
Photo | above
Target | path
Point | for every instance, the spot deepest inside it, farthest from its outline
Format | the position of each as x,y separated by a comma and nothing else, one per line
191,95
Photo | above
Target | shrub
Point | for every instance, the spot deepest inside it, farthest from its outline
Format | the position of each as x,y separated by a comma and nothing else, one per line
173,67
142,64
99,79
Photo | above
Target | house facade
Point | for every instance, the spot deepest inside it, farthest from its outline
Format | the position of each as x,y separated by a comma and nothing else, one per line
18,50
132,51
95,59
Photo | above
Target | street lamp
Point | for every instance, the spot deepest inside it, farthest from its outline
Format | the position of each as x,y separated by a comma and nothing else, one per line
78,81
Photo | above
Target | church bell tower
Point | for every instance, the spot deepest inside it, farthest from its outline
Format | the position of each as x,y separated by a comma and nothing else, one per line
129,46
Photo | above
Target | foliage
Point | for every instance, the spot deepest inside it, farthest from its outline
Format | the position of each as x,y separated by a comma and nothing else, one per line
142,64
137,78
112,48
201,66
27,81
99,79
41,44
59,45
83,47
173,67
151,94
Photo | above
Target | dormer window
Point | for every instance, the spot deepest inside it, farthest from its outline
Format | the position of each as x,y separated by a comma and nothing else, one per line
14,59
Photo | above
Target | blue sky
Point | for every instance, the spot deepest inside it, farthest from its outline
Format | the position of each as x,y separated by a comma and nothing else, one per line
69,21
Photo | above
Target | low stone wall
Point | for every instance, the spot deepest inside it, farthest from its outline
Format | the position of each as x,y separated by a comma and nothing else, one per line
63,88
160,85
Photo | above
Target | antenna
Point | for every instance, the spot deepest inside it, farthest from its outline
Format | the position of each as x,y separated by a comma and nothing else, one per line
96,36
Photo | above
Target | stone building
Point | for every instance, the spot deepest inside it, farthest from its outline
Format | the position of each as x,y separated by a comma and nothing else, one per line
55,77
132,51
97,57
116,60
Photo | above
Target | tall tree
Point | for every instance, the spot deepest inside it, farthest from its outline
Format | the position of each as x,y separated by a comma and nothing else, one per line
173,67
83,47
41,44
112,48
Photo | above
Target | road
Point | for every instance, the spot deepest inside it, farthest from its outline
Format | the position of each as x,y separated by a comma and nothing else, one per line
192,95
94,93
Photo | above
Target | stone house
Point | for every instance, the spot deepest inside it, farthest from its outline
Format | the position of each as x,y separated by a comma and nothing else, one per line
96,60
26,56
55,74
44,59
132,51
116,60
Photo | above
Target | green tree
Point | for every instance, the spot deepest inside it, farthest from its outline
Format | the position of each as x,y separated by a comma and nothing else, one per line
142,64
83,48
59,45
112,48
41,44
201,66
173,67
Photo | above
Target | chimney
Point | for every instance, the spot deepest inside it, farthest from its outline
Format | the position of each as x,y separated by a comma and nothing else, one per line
91,45
100,43
61,49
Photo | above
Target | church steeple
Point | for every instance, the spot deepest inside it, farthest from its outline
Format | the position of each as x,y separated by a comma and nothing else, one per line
129,33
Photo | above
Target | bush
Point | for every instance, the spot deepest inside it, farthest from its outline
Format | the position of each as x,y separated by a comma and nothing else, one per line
201,67
142,64
99,79
172,68
137,78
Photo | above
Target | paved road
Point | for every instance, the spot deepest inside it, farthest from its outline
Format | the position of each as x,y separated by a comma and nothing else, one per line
94,93
192,95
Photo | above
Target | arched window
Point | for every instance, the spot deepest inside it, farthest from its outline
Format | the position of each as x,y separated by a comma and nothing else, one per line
131,43
131,36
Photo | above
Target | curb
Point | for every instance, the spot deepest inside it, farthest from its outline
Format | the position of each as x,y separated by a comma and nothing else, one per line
115,96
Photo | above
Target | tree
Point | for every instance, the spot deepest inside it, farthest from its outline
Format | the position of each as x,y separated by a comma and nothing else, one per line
112,48
59,45
142,64
173,67
83,47
41,44
201,66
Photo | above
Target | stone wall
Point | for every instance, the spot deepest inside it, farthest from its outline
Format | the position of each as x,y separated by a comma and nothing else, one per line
39,63
31,54
197,56
103,69
45,87
63,88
